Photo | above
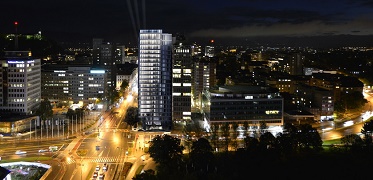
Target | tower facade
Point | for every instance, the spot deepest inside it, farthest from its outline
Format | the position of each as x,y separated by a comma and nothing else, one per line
182,82
155,80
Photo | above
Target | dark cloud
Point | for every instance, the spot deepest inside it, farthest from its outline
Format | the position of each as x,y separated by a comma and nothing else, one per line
218,19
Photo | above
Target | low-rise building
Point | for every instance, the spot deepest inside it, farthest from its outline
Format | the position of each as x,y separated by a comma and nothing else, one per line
243,104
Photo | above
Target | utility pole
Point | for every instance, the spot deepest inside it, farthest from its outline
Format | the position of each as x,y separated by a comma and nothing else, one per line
58,127
47,123
72,124
41,128
76,125
63,128
52,127
30,128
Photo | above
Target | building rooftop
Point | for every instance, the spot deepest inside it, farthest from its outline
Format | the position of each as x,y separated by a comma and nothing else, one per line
238,89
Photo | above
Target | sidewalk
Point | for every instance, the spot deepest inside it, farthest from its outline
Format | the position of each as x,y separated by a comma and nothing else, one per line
139,158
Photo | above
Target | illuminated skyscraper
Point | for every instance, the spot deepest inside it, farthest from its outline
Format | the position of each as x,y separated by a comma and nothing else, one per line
155,79
182,81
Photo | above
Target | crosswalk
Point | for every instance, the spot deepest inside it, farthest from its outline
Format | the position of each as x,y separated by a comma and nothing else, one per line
104,159
96,160
70,161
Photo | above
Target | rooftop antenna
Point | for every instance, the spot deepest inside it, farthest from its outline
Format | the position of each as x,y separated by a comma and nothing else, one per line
16,36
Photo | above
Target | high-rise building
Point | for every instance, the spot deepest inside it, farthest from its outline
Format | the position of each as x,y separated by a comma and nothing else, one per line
103,55
204,77
209,51
19,83
294,64
155,79
182,82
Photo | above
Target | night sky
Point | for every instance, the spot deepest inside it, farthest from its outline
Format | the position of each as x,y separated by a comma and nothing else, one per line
230,21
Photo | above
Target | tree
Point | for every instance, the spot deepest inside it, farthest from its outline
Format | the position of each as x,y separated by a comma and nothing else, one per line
234,141
201,155
166,150
354,100
45,109
147,175
267,141
75,114
308,138
189,130
246,127
131,117
367,130
286,143
251,144
124,85
225,133
114,95
352,142
262,127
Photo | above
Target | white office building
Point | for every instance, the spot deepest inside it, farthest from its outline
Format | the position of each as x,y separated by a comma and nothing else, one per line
19,83
74,84
155,80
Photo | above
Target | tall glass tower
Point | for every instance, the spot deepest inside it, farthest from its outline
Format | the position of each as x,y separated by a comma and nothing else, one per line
155,80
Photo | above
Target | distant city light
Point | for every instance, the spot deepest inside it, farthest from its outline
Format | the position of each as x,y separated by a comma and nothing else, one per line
97,71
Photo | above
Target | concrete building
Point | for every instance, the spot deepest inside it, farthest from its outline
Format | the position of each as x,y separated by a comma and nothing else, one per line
315,100
204,77
73,84
103,55
19,82
125,72
294,64
155,79
243,104
209,51
338,83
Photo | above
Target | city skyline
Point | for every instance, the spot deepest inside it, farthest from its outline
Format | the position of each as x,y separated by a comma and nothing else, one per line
229,22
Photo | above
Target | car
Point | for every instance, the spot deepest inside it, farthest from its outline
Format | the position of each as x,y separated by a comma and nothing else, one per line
97,168
104,167
19,152
53,148
101,176
42,150
95,174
